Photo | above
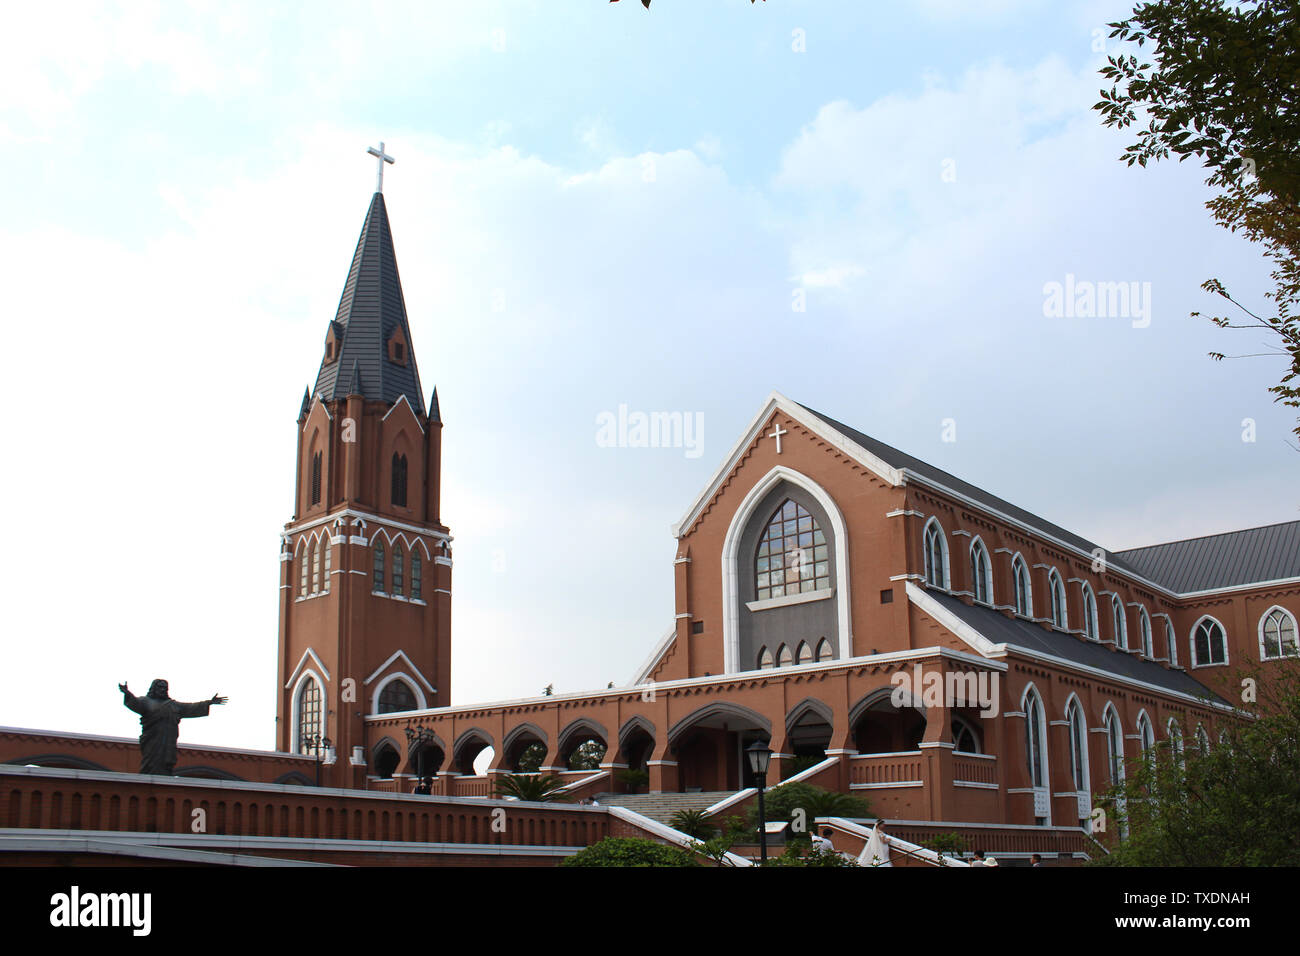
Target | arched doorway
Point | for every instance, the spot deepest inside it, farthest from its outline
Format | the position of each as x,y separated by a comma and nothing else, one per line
808,733
524,749
582,746
880,728
467,749
709,747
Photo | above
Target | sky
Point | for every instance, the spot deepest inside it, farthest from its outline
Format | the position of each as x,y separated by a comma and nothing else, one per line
863,206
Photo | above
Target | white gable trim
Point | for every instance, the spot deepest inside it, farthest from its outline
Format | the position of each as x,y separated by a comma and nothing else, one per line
309,653
918,596
420,702
778,402
400,400
656,655
396,656
731,568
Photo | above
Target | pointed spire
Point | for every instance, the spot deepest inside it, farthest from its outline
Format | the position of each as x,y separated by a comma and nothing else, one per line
435,413
371,311
306,401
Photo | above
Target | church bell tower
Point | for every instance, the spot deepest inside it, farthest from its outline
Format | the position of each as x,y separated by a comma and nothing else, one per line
365,563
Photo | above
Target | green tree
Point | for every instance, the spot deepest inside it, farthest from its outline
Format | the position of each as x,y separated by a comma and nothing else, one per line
1236,805
694,823
1225,88
587,755
798,854
631,851
539,788
530,759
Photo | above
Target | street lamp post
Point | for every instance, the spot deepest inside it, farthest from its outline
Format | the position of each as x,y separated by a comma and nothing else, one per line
315,742
419,736
760,755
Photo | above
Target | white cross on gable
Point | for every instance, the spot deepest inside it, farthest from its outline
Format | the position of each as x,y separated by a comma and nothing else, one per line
380,157
779,431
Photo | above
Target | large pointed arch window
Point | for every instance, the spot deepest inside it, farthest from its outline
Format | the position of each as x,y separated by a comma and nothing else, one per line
315,566
793,556
1034,740
1144,634
399,480
1171,642
396,696
1146,733
981,572
1114,747
1024,593
936,555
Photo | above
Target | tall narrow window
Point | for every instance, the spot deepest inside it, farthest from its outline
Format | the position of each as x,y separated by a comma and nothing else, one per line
783,656
398,568
1144,632
1059,617
1089,614
1024,594
302,582
1114,747
1118,624
765,661
1146,733
1171,642
1202,739
325,543
1209,645
417,576
315,566
793,555
399,480
1277,635
309,717
378,584
315,478
935,570
1078,747
805,654
1175,734
1034,740
981,572
824,652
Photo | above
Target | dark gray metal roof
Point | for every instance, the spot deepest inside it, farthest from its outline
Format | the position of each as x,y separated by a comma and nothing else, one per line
1000,629
370,311
897,459
1221,560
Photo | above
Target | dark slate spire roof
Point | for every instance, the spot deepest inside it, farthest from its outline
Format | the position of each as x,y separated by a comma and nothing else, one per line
435,413
371,310
306,401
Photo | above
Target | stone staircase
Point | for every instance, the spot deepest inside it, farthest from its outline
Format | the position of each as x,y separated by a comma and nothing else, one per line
662,806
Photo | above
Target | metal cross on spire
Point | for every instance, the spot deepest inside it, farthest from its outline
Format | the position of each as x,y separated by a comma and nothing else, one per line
381,157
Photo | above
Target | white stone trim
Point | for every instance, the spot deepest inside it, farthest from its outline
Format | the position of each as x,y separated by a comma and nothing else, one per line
400,654
802,597
302,661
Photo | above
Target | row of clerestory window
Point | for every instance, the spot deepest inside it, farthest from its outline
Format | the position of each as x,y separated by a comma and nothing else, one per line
803,654
1208,640
393,573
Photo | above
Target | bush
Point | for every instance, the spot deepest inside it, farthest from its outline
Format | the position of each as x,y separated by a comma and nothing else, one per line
951,844
798,855
694,823
630,851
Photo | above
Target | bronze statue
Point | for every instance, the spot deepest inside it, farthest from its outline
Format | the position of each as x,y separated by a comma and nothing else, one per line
160,717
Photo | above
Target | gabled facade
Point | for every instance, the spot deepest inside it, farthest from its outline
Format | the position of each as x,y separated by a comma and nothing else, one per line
365,584
826,582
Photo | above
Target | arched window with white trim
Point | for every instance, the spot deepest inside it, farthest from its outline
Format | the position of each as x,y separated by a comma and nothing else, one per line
793,556
396,696
1175,735
1209,643
1146,733
1023,591
310,711
1078,746
1144,633
417,575
981,573
325,578
399,568
1277,635
1035,739
1059,616
1118,625
1202,740
965,737
315,566
936,555
1089,613
302,564
1114,746
1171,642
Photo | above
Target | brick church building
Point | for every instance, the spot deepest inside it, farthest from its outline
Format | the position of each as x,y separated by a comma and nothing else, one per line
885,627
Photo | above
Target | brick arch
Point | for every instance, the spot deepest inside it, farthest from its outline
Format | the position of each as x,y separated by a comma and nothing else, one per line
465,738
719,708
57,760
